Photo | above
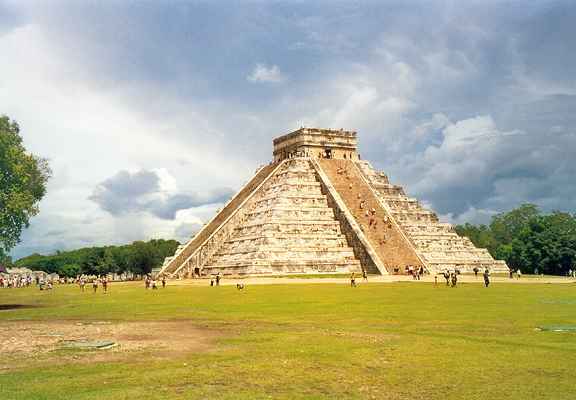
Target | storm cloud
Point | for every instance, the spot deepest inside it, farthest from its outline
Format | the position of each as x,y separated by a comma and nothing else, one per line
142,191
469,105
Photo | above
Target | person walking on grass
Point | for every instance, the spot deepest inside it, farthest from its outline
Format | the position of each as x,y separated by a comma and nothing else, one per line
218,279
518,273
353,280
486,276
454,279
163,282
447,277
82,284
105,284
95,284
364,276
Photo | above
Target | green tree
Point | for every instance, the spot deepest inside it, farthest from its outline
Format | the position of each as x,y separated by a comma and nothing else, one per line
138,257
23,178
69,270
506,226
480,235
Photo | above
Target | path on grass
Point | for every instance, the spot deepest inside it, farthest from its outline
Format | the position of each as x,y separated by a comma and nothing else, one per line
371,279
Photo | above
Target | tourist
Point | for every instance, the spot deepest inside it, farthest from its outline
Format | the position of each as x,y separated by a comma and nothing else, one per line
211,281
511,273
486,277
95,284
447,277
435,280
518,273
147,282
218,279
421,271
353,280
364,275
475,272
82,284
105,284
154,287
163,282
454,279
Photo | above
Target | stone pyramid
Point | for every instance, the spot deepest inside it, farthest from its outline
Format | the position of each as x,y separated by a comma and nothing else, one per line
317,208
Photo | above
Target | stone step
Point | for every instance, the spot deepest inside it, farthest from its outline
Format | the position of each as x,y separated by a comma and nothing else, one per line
284,212
330,252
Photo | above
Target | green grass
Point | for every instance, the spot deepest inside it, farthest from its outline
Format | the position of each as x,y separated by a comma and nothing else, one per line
318,341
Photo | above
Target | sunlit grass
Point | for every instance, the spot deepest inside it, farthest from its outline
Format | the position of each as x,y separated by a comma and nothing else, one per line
397,341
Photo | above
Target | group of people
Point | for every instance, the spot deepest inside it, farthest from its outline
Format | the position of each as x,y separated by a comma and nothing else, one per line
22,281
151,282
15,281
516,272
370,214
215,280
96,283
353,278
415,271
451,277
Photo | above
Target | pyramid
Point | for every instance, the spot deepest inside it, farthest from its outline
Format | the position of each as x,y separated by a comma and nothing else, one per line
318,208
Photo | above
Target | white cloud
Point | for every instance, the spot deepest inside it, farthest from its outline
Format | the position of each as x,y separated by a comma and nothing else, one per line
267,74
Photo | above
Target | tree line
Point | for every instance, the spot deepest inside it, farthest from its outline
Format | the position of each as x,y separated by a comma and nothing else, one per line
528,239
138,258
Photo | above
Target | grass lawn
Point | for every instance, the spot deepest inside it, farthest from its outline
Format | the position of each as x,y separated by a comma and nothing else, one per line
306,341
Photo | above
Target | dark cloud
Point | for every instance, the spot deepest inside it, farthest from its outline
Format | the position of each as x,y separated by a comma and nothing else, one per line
167,208
123,192
140,191
479,166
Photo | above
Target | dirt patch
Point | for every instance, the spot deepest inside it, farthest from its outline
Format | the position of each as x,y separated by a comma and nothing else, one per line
4,307
31,339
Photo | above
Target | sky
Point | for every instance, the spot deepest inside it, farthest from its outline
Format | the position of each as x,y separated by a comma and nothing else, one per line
153,113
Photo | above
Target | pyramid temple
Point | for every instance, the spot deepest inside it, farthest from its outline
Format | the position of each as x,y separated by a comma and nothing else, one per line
318,208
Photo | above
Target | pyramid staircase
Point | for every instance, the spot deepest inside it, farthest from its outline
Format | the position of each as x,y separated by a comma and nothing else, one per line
393,248
436,243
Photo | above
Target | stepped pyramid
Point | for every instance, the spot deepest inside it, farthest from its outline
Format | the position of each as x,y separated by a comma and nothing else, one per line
318,208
